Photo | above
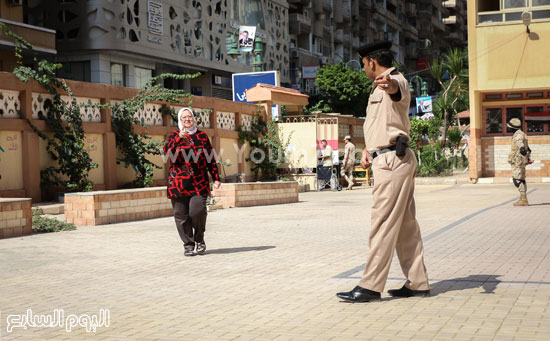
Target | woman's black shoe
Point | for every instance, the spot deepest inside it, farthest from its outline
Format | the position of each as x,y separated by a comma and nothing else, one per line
201,248
189,253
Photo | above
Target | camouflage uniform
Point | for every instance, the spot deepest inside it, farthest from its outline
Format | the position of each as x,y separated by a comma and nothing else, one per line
348,163
518,159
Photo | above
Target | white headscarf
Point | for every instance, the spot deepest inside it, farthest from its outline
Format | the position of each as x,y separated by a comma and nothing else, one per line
191,130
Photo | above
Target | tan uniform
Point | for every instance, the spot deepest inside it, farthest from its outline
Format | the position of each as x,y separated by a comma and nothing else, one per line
393,216
327,162
519,161
348,163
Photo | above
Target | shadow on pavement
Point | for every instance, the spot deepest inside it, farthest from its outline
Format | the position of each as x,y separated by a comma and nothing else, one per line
487,282
541,204
239,249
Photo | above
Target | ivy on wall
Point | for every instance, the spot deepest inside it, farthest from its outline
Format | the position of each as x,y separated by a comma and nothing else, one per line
134,147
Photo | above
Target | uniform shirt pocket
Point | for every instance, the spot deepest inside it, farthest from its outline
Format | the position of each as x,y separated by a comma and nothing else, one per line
376,98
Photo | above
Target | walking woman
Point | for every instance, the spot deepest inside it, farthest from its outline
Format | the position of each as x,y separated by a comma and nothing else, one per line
192,158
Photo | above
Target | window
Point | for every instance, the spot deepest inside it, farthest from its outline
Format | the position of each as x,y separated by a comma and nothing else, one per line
78,71
493,97
142,76
513,113
493,120
534,126
495,11
515,3
517,95
118,74
250,12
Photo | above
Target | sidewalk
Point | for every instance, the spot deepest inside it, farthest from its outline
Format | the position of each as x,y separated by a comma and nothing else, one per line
271,273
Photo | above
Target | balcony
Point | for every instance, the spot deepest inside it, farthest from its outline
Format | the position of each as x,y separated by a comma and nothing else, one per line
410,10
299,24
449,4
356,42
378,36
438,24
450,20
303,57
457,36
42,39
303,2
339,36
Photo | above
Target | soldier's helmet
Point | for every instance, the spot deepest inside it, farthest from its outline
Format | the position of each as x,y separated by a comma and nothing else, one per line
514,123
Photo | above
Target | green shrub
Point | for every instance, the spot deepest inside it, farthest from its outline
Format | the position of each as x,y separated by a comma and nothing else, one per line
42,224
429,165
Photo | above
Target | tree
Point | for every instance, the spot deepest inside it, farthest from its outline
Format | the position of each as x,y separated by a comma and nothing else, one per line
452,75
346,91
268,150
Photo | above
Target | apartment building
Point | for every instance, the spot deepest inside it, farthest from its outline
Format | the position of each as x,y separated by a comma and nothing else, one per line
327,31
11,15
126,42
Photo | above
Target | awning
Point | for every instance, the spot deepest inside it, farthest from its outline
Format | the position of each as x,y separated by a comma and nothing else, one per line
537,116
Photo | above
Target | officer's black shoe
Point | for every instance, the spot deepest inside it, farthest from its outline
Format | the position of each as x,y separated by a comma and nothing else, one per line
406,292
359,294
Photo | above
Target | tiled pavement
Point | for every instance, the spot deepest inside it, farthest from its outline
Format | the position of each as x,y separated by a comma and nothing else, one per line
271,273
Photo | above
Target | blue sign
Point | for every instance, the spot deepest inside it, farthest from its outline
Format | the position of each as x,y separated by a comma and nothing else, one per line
245,81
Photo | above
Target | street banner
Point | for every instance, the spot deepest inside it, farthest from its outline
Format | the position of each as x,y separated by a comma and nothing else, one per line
245,81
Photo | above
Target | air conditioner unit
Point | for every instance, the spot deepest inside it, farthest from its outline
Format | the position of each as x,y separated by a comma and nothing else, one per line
294,54
324,60
15,2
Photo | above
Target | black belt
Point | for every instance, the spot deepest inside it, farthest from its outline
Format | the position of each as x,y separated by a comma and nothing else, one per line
382,151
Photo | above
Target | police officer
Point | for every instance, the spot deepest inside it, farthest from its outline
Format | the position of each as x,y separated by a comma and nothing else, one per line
518,158
393,222
349,162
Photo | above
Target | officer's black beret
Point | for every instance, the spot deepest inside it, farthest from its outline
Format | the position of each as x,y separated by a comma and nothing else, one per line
369,49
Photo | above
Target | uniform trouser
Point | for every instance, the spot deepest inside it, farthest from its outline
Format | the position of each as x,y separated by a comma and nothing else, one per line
394,225
190,216
347,173
518,177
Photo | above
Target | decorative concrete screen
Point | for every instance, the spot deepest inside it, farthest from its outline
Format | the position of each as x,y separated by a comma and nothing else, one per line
193,32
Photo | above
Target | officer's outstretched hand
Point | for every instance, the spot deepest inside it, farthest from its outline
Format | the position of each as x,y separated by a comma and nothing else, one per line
387,84
365,159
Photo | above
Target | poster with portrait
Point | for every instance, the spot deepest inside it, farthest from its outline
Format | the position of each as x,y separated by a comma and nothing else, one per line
246,38
423,105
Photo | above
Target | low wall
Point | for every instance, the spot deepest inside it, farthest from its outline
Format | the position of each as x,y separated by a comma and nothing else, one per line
256,194
107,207
15,217
495,152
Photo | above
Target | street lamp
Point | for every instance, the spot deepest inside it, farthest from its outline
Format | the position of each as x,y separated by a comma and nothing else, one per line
234,51
423,85
354,60
258,62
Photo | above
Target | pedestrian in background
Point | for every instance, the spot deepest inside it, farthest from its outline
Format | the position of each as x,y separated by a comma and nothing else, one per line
348,163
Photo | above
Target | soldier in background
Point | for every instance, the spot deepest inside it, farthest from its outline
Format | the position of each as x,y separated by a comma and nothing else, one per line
349,162
518,158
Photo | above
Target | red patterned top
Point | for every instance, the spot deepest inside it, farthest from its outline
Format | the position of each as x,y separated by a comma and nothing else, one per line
191,158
